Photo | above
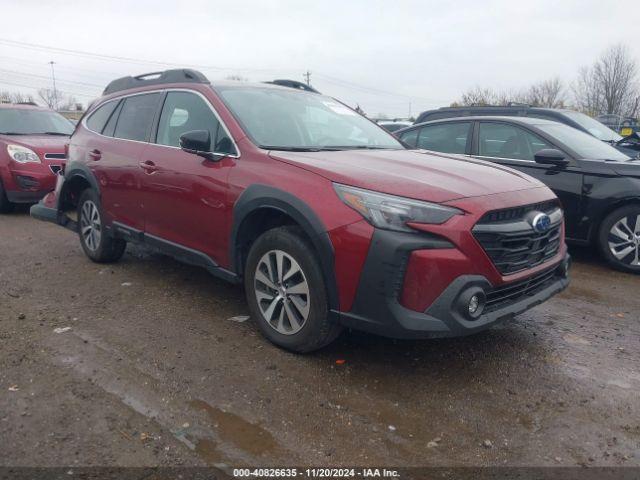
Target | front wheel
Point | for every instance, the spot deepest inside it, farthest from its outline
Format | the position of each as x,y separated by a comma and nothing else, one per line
619,238
286,292
97,244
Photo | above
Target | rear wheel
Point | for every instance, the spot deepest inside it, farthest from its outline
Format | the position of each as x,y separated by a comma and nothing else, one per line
619,238
97,244
5,205
286,292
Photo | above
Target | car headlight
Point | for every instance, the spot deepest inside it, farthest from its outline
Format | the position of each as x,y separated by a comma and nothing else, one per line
22,154
391,212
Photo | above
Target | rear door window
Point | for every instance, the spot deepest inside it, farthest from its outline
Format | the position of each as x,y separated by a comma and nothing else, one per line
446,137
136,117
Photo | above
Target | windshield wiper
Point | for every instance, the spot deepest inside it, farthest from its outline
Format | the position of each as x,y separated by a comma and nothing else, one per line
13,133
55,133
290,149
356,147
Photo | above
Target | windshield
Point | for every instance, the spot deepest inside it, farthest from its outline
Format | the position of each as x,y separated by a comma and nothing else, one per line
583,144
22,121
283,119
594,127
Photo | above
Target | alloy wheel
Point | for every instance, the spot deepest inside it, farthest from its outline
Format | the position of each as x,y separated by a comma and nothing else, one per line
624,240
90,225
282,292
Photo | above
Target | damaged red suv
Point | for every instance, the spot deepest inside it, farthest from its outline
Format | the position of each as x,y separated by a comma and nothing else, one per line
327,220
32,141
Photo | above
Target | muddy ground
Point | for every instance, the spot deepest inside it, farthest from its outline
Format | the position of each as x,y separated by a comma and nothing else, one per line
152,371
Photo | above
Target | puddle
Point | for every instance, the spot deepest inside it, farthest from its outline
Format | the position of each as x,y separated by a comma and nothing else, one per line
235,429
206,449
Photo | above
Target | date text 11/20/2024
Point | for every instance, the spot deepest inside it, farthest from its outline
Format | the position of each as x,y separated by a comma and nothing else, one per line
315,473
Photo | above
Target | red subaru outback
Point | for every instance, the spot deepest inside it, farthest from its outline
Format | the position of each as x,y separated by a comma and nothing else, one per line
328,220
32,141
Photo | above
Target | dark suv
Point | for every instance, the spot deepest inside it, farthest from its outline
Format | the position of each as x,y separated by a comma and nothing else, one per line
568,117
599,187
32,141
326,218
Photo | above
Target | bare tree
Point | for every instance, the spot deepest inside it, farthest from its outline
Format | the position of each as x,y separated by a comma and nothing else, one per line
610,85
49,97
548,93
478,96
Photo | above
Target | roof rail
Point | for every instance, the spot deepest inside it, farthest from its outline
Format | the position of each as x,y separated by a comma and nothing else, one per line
181,75
294,84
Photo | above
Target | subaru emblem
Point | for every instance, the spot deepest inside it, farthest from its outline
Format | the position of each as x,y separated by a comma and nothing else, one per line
541,222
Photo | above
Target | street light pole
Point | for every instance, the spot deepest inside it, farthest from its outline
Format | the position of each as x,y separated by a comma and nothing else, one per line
55,92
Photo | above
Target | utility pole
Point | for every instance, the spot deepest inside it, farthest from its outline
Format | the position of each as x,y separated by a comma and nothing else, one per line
307,76
55,92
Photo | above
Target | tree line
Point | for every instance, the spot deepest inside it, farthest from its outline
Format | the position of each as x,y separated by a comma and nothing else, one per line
47,96
609,86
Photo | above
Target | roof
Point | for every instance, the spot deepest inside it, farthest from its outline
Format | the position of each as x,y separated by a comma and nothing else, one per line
507,118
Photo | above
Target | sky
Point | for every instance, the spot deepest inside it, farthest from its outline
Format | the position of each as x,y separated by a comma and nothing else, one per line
394,58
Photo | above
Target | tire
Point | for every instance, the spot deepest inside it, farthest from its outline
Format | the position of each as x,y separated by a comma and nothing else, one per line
96,242
619,238
292,314
5,205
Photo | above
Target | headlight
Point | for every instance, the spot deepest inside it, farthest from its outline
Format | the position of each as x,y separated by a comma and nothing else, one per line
391,212
22,154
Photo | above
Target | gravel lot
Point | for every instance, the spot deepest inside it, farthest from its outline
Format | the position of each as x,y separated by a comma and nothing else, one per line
148,369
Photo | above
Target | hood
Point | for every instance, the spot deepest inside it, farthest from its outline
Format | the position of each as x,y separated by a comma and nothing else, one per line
40,144
629,168
416,174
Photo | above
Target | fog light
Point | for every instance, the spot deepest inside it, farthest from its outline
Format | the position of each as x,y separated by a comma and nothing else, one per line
474,303
471,302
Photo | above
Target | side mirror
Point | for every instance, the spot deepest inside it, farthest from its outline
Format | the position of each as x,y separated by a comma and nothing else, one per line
551,156
198,142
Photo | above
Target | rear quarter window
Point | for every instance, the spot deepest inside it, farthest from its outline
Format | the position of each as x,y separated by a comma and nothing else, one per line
99,118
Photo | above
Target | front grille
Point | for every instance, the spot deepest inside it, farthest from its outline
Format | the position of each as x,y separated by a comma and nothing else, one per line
54,156
514,213
511,293
511,242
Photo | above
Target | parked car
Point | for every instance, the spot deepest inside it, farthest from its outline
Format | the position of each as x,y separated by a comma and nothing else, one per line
393,126
32,141
294,84
599,186
568,117
325,217
625,126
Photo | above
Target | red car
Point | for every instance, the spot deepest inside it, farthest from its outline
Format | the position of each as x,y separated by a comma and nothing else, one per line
327,219
32,152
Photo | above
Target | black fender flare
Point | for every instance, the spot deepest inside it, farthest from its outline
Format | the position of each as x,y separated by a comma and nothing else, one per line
259,196
77,169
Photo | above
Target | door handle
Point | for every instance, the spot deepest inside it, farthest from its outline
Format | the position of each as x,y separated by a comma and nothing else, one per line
148,166
95,154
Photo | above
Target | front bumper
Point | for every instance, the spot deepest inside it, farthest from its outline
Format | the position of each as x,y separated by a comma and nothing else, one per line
17,196
29,183
378,308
